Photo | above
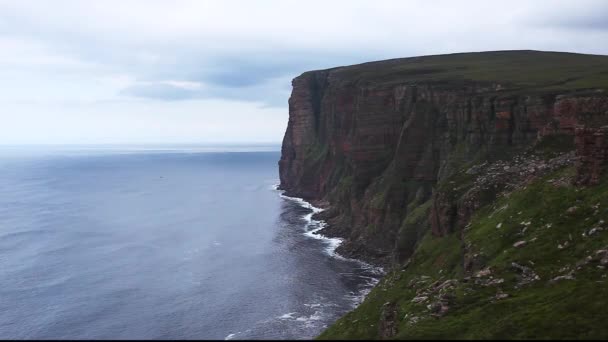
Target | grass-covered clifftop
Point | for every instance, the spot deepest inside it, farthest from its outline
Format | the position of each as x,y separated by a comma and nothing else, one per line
518,70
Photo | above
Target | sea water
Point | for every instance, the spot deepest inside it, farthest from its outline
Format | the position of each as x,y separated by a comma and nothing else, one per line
163,243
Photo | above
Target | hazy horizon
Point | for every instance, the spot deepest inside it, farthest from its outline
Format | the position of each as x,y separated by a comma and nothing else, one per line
92,149
158,143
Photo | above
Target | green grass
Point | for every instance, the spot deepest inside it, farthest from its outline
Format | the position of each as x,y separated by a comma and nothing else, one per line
544,206
433,255
540,310
316,153
551,145
513,70
412,229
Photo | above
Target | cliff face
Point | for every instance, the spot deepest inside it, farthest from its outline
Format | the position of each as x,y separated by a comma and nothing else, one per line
377,148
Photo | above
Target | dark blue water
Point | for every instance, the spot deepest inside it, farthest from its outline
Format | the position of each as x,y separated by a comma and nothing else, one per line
161,245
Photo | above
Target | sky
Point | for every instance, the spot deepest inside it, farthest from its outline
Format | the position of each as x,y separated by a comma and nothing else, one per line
219,72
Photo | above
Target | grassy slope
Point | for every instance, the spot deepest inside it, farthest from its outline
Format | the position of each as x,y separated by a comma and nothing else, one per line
517,70
565,309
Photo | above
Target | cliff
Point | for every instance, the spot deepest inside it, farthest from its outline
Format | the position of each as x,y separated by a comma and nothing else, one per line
407,153
375,139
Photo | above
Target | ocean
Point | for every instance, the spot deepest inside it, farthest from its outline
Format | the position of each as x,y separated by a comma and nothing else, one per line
163,243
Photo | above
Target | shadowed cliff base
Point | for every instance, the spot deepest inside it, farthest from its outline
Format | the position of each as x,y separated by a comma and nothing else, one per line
408,151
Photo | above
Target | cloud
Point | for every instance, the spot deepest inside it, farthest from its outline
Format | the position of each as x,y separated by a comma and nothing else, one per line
570,15
164,90
187,51
270,93
593,19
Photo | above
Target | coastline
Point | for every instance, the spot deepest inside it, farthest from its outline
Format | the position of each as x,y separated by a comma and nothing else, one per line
313,228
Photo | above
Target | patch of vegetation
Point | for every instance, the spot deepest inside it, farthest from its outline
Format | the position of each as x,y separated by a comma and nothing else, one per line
340,172
379,199
551,145
391,188
433,257
316,153
342,190
458,180
412,229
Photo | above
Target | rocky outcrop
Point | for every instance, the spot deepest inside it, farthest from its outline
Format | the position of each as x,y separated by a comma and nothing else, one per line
452,212
592,152
376,148
388,324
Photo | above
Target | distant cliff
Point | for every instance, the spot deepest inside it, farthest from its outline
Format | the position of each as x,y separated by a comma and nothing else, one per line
404,148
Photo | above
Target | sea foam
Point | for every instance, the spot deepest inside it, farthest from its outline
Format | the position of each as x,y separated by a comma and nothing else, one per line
312,229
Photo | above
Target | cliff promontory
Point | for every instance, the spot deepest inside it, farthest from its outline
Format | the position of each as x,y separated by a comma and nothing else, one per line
463,175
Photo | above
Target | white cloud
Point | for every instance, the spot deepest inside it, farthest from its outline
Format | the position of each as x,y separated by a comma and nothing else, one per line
184,55
183,84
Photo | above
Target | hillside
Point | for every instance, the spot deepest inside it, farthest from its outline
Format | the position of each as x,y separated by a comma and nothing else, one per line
541,255
476,179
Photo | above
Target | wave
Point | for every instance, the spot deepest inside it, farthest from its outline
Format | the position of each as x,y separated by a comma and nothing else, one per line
312,229
287,315
24,233
234,335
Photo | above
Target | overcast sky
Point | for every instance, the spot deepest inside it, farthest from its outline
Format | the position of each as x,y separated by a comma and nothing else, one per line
147,71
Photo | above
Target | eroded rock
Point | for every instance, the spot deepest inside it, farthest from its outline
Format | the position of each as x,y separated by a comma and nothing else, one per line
519,244
388,324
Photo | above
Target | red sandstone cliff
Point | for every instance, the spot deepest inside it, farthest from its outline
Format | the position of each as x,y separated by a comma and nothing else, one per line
378,140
